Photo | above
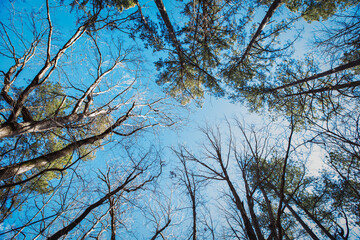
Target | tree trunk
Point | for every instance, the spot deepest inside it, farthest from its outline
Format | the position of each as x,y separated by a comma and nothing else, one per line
273,233
294,213
263,23
82,216
113,218
169,27
312,217
319,75
240,206
328,88
193,200
14,129
282,182
302,223
19,168
250,203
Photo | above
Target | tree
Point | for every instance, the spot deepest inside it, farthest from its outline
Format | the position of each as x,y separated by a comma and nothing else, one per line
160,215
339,138
256,35
210,51
123,187
50,122
301,87
187,177
318,10
73,213
65,95
271,178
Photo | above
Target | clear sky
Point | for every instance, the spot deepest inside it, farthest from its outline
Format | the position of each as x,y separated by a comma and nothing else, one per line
213,111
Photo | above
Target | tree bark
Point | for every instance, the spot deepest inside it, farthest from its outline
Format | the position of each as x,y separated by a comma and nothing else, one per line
19,168
194,227
82,216
328,88
250,203
319,75
294,213
159,231
14,129
312,217
113,218
262,25
169,27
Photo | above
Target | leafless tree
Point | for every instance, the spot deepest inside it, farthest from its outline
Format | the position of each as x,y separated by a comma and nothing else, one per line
257,211
84,206
187,178
159,212
64,114
83,92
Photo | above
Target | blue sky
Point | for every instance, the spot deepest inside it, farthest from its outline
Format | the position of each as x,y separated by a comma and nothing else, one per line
213,111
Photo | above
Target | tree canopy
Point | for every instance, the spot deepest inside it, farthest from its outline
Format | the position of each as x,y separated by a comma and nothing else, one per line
87,87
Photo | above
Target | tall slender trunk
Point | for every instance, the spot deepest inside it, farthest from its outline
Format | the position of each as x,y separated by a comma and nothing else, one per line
302,223
312,217
294,213
262,25
237,200
240,206
250,203
169,27
14,129
316,76
159,231
193,200
327,88
270,213
113,218
19,168
283,179
269,209
98,203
